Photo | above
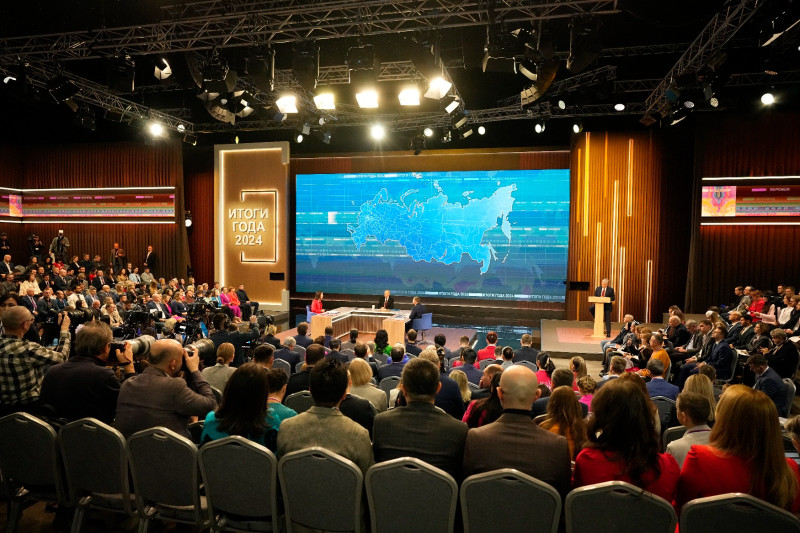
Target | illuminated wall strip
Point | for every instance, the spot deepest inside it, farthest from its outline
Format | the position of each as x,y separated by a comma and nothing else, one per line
750,223
621,286
579,199
605,167
648,290
754,178
586,189
630,180
78,189
614,235
578,297
219,263
94,222
597,251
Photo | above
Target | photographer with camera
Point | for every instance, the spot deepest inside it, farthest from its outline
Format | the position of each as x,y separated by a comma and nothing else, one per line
23,363
85,386
58,247
237,338
155,398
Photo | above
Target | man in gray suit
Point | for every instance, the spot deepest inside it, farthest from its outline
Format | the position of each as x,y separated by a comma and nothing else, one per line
693,411
419,429
324,425
156,398
514,441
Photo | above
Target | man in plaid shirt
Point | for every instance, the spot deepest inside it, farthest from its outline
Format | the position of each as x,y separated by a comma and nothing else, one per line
23,363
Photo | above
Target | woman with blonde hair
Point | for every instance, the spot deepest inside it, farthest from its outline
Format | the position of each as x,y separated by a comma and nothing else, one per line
565,418
463,385
360,375
700,384
745,454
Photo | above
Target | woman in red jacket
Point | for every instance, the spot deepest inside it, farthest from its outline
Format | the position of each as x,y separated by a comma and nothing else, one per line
745,454
488,352
316,303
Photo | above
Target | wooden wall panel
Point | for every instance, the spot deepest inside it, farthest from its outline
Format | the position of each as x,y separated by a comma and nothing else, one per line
200,201
621,200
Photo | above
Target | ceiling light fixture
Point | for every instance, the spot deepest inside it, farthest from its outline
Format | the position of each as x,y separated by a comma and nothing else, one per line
325,101
367,99
438,88
409,96
767,99
619,107
428,132
377,132
287,104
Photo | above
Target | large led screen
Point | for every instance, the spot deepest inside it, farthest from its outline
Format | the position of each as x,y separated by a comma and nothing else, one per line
751,201
479,234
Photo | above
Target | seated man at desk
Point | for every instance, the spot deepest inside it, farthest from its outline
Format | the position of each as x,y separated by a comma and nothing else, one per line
387,302
416,312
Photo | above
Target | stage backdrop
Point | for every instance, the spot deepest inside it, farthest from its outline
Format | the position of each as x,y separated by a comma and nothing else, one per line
250,218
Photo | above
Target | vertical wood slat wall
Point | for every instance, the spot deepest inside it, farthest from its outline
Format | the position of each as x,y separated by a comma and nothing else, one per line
618,210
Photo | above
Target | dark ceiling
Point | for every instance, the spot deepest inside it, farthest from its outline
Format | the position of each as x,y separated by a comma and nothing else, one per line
630,67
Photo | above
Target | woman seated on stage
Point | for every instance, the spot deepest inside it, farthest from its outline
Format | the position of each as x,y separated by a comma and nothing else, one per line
745,454
225,298
316,303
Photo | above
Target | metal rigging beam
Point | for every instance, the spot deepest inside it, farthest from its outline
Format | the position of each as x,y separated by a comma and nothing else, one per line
226,24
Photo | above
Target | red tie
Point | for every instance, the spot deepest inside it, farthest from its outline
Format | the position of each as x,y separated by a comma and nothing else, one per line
603,293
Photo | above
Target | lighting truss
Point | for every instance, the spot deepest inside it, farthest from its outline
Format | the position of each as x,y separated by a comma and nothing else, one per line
222,24
722,27
585,79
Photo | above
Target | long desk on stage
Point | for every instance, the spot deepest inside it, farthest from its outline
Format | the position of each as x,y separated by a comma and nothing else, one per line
343,319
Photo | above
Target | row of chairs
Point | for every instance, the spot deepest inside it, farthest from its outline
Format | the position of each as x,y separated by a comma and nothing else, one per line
240,483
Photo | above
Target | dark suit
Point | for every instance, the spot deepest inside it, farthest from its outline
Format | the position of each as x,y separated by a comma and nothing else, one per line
744,338
514,441
339,356
473,374
417,311
448,399
526,353
289,356
383,303
29,302
390,369
358,410
6,268
297,382
783,359
413,349
303,341
99,281
733,333
237,339
164,312
769,383
75,267
659,387
61,284
678,335
420,430
606,307
540,406
42,306
150,261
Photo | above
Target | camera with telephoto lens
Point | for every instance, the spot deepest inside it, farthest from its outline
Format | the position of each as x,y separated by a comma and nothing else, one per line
140,347
202,347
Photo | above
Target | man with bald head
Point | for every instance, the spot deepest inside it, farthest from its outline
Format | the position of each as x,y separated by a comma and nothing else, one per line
23,363
514,441
157,397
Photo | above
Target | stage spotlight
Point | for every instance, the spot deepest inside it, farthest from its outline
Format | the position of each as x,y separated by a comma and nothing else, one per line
298,138
767,99
187,218
190,139
688,104
181,128
481,130
367,99
584,43
561,104
546,74
155,129
326,137
447,137
162,69
527,68
466,133
85,119
121,73
306,129
577,127
363,65
451,104
539,127
409,96
325,101
438,88
321,121
428,132
459,120
217,77
619,107
377,132
236,139
305,65
287,104
713,101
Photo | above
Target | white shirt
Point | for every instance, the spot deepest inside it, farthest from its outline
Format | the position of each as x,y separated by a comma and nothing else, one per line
75,297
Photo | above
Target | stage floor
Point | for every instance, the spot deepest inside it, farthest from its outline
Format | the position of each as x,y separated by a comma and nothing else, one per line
451,334
560,336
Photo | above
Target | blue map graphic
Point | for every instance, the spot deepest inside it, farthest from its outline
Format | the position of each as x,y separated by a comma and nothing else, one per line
488,234
437,230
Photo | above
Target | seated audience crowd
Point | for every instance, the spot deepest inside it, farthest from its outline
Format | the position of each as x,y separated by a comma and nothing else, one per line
463,411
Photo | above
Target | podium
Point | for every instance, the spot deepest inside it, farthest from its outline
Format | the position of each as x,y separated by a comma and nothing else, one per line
600,303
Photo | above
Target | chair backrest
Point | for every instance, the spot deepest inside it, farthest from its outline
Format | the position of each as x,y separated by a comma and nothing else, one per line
668,372
283,365
789,392
299,349
388,384
538,419
217,394
382,358
473,387
503,499
617,506
735,512
196,431
788,443
349,353
412,482
29,455
528,364
667,410
309,314
240,478
424,322
308,480
95,460
164,469
298,366
673,433
299,401
486,362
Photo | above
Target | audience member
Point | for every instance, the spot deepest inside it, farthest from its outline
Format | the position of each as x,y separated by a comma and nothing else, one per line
299,381
562,377
243,410
526,351
485,383
623,442
586,387
439,341
491,344
701,384
219,374
419,429
693,410
720,356
264,355
288,354
783,357
237,338
616,368
357,409
323,424
449,397
302,338
565,418
468,358
395,366
745,454
658,386
463,386
360,376
351,343
508,357
769,382
276,383
546,368
485,411
411,345
514,441
334,352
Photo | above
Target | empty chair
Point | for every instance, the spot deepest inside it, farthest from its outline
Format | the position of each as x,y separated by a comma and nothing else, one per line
309,480
735,512
529,365
166,478
30,462
240,478
412,482
673,433
283,365
789,390
299,401
617,506
309,314
508,500
667,411
423,324
486,362
387,384
96,465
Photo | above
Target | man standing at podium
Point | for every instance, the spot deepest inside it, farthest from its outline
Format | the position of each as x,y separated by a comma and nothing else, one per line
606,292
387,302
